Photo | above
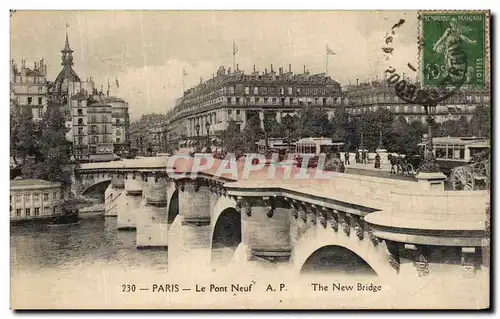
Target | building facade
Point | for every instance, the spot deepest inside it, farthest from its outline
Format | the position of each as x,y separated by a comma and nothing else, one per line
34,199
29,87
369,96
208,108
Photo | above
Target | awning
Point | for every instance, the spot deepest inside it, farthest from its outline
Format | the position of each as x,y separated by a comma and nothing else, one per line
182,143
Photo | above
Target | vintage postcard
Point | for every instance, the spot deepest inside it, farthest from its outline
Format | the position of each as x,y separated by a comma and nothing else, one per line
250,159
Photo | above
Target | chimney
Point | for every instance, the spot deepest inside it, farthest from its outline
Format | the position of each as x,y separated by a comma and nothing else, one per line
23,64
357,81
272,68
228,71
34,65
254,67
304,68
290,68
281,71
265,71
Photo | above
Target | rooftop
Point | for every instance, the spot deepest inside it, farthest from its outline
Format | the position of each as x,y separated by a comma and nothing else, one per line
23,183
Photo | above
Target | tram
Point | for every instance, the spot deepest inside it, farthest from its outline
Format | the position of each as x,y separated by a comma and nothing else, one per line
315,146
451,152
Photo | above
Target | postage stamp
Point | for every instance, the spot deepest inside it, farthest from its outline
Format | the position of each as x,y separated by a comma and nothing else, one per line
444,33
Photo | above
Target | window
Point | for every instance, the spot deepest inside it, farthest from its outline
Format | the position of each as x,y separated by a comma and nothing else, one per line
290,90
117,121
93,150
247,90
265,100
28,211
237,112
54,195
80,121
80,140
18,212
248,100
80,112
80,131
450,151
30,100
256,90
95,139
228,100
46,210
118,140
274,101
40,101
229,112
37,211
40,89
298,91
36,197
93,129
257,100
282,91
40,112
45,197
237,100
27,197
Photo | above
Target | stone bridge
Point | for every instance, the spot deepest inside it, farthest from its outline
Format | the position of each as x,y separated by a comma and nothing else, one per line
227,214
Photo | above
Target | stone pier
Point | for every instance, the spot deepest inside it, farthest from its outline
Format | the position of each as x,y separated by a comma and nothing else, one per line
152,224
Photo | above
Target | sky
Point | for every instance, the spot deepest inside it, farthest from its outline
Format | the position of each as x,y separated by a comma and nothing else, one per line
147,50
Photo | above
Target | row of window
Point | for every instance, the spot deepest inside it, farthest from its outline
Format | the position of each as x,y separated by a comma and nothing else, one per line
36,197
388,97
450,151
36,211
30,101
274,101
263,90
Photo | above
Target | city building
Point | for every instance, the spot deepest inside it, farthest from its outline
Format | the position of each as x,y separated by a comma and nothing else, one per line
207,108
29,87
100,131
34,199
97,123
368,96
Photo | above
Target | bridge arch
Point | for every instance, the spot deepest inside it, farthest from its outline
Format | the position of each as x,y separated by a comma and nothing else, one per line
225,233
173,206
319,240
97,186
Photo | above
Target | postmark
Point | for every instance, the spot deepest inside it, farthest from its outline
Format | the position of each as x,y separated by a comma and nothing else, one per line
448,36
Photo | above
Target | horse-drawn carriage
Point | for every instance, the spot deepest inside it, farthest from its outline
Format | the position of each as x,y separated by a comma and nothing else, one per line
473,176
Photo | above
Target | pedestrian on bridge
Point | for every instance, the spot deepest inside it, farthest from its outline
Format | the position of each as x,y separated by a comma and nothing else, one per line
377,161
346,158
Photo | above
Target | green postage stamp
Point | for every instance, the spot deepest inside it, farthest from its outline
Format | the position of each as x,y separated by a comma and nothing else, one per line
442,32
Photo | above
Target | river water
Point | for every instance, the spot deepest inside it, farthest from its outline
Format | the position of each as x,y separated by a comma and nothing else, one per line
87,266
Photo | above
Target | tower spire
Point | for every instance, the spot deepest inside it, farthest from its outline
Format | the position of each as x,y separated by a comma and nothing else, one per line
67,53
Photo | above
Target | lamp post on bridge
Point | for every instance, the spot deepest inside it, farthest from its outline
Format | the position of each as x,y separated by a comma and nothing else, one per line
429,165
197,128
207,126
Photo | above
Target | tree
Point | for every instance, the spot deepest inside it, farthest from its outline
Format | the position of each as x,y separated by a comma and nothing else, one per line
480,122
232,137
374,122
23,135
252,132
53,148
313,122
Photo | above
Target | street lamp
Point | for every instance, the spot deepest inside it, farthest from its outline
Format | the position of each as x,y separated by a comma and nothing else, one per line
429,165
197,128
207,126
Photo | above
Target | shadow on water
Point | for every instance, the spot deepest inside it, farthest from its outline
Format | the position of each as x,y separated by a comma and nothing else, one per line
333,260
226,236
